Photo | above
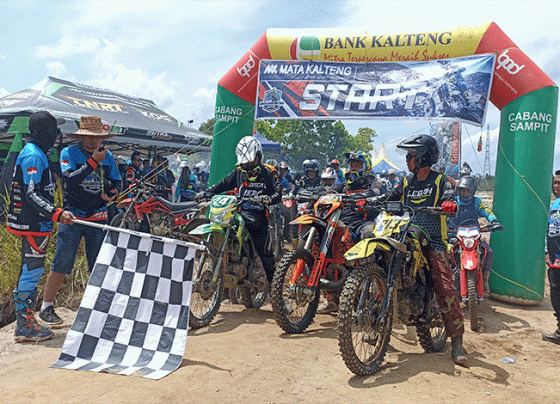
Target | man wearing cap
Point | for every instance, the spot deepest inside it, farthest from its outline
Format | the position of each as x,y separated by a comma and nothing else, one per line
393,179
91,179
30,216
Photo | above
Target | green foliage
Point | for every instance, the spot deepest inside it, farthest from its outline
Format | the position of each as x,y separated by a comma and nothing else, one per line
320,139
208,126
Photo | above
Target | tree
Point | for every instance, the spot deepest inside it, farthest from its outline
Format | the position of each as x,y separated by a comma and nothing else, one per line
208,127
363,140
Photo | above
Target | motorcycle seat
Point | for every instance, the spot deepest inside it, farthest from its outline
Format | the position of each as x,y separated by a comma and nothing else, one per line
178,207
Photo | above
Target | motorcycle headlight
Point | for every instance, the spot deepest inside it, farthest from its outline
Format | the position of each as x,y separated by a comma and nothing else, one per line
468,242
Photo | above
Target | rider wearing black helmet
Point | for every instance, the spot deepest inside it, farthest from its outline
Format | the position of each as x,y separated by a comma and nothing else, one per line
310,180
427,187
469,209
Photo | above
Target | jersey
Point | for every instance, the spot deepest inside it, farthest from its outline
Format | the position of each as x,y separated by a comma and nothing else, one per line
432,191
553,234
85,180
469,212
32,207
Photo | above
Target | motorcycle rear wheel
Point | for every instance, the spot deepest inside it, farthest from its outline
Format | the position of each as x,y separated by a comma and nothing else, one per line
431,331
206,296
251,298
472,300
362,347
294,306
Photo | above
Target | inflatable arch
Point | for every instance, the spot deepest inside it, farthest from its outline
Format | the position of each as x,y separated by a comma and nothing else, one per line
526,96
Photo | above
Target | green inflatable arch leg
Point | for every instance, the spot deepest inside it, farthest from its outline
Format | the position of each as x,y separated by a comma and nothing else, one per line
522,196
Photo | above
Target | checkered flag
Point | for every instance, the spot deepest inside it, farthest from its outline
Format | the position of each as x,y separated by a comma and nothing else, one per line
134,314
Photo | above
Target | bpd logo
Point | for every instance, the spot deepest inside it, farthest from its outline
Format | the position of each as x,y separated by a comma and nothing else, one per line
507,63
272,100
305,48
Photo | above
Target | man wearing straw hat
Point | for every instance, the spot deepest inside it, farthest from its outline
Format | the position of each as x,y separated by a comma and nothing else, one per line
91,179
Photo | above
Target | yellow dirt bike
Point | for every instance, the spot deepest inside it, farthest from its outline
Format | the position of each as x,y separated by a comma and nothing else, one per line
393,279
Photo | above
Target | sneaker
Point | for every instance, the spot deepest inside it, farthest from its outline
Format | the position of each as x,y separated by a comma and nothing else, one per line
50,317
327,307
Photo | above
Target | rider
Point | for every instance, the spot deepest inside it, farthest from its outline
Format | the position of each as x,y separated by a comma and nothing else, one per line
428,188
335,164
310,180
252,179
285,177
469,209
359,181
287,182
329,178
393,179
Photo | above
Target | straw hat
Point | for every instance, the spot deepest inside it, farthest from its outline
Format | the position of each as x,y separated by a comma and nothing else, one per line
92,126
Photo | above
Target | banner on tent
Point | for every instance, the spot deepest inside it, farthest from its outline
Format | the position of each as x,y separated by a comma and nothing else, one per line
447,89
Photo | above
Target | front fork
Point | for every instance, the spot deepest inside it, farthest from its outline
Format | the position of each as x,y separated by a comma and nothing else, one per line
394,266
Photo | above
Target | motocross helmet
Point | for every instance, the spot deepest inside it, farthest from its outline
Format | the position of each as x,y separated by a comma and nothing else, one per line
328,177
283,167
353,176
464,171
466,187
248,149
426,147
311,165
334,163
272,162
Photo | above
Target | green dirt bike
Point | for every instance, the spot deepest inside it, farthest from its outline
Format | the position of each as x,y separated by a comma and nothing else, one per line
393,280
229,261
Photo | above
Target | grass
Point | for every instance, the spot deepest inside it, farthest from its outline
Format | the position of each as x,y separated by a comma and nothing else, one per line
70,294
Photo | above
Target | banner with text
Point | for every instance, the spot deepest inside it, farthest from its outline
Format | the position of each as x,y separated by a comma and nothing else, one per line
448,89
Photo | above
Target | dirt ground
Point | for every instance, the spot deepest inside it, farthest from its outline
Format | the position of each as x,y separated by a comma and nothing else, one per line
244,357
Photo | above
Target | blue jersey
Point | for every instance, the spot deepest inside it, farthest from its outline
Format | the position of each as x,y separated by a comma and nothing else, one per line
553,234
85,180
32,208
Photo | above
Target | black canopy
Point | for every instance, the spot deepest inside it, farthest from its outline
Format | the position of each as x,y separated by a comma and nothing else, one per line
138,122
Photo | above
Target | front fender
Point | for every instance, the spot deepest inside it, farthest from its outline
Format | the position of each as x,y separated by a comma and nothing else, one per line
367,247
207,228
308,219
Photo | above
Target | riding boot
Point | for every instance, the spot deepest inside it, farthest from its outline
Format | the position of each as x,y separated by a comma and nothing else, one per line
485,276
554,337
27,328
457,353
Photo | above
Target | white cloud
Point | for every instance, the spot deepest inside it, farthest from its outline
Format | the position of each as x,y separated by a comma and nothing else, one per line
68,47
57,69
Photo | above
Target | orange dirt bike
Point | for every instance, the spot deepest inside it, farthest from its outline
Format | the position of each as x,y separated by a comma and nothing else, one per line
317,264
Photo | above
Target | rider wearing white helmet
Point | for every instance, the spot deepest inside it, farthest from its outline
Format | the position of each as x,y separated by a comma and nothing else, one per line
252,179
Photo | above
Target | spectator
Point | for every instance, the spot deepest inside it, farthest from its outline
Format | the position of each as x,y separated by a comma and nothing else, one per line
91,180
552,257
134,172
30,216
187,186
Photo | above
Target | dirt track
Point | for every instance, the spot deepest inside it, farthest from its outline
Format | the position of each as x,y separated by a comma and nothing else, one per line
245,357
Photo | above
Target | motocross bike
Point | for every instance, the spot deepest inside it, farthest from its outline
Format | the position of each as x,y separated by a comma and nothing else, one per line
392,280
230,261
275,233
468,256
318,264
149,213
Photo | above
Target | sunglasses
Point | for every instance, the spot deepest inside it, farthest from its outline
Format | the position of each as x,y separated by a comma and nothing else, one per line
409,157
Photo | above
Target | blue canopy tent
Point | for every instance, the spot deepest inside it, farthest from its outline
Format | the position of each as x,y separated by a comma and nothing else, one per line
270,149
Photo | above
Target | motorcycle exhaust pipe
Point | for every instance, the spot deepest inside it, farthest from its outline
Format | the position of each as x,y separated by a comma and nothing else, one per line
330,286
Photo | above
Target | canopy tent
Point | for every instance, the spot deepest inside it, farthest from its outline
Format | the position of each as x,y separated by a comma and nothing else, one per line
383,162
138,122
269,147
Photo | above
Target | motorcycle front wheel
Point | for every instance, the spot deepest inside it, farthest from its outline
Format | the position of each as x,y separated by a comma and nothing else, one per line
206,295
362,346
294,305
472,299
431,331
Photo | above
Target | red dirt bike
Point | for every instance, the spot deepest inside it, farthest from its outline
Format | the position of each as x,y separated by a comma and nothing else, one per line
468,256
149,213
317,264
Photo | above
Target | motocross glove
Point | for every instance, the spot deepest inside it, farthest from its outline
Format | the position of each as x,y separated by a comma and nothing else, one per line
449,207
202,196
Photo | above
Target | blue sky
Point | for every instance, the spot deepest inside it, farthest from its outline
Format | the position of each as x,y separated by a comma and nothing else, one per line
174,53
